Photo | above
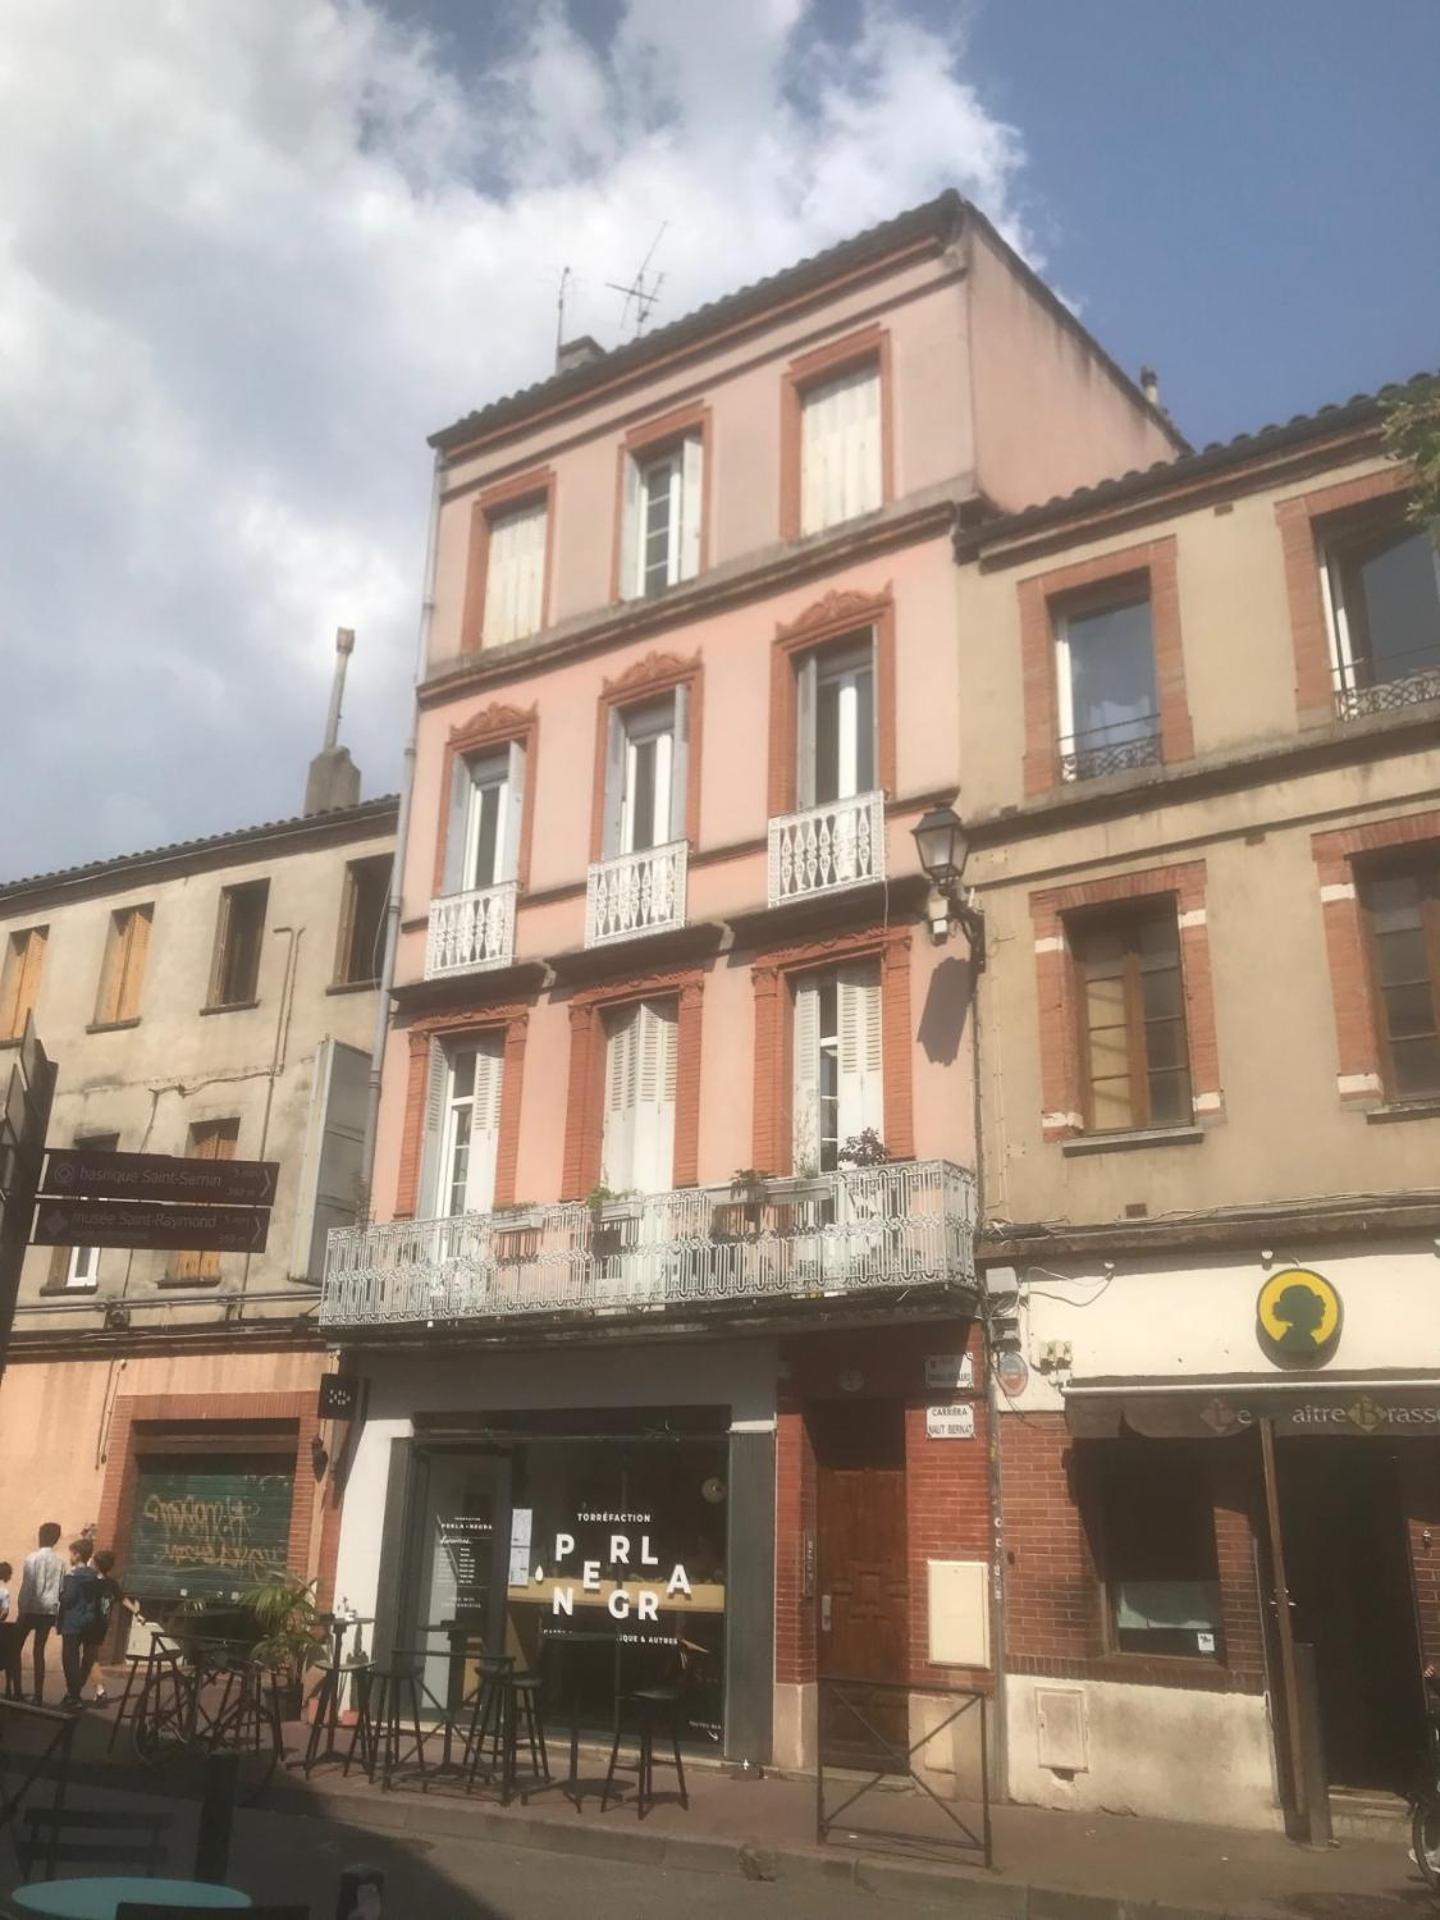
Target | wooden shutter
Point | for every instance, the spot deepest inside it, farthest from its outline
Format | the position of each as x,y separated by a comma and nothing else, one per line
137,947
209,1140
692,506
515,575
514,813
22,980
805,1124
680,767
652,1167
485,1124
631,532
622,1067
861,1103
436,1074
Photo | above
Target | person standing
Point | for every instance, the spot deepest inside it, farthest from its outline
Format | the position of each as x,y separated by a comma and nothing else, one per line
40,1601
109,1596
9,1635
78,1617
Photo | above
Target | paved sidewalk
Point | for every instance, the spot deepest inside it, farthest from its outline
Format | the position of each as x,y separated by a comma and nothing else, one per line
1052,1866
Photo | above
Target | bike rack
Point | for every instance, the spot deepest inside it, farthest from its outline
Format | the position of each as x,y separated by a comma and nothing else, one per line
849,1698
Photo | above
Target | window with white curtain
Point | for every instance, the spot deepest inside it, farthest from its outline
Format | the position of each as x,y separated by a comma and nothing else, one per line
838,1091
645,774
660,538
515,574
840,464
641,1048
463,1122
482,840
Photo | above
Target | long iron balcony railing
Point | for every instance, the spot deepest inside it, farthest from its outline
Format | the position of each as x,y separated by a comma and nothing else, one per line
827,848
471,932
1123,746
636,893
870,1229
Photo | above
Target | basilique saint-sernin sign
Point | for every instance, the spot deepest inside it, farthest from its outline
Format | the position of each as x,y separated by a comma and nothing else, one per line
100,1175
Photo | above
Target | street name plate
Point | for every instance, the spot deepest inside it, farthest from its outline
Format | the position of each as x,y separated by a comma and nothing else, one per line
135,1223
956,1422
158,1176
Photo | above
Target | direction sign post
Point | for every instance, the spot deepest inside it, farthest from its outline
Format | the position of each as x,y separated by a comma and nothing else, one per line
147,1225
72,1171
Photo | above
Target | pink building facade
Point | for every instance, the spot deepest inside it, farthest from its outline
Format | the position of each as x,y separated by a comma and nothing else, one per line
665,1322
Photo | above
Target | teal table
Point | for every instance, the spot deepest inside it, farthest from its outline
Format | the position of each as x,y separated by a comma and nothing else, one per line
98,1899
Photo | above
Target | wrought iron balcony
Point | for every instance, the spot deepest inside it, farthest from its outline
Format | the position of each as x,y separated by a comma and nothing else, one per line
1121,748
1410,679
866,1231
636,893
826,849
471,932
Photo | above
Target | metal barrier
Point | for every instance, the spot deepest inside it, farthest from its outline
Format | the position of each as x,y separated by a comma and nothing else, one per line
45,1754
887,1758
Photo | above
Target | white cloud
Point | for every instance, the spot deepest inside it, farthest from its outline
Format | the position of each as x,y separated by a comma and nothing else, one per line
251,252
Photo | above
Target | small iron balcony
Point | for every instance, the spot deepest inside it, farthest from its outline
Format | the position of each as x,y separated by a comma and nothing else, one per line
471,932
636,893
827,848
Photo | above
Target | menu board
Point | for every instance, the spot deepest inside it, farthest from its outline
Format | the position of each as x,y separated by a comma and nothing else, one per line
466,1543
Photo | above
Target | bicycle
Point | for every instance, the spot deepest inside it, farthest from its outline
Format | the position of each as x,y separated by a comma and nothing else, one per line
1425,1800
202,1697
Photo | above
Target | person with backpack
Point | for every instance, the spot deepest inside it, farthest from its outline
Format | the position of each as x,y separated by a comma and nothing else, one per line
40,1601
78,1617
109,1596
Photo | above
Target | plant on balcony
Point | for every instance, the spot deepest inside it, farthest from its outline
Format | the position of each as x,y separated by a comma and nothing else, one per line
865,1149
292,1633
747,1196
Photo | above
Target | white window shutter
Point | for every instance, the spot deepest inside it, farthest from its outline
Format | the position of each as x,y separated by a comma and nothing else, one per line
615,749
621,1089
861,1103
840,449
805,1125
630,532
515,575
692,506
654,1159
436,1077
514,812
457,826
805,723
680,767
485,1125
662,824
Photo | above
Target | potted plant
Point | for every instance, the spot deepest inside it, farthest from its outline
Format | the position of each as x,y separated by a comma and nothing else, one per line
291,1635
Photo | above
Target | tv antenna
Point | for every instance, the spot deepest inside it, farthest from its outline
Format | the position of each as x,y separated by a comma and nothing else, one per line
643,291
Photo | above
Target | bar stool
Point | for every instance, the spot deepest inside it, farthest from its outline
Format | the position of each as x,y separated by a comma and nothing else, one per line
391,1715
648,1706
492,1722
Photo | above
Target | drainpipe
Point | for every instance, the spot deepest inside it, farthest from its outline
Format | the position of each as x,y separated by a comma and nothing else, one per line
397,871
999,1747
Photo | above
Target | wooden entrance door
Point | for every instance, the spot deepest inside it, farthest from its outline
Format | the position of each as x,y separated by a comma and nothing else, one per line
864,1587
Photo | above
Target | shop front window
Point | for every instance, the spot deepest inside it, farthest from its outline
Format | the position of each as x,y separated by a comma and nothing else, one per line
1156,1525
610,1553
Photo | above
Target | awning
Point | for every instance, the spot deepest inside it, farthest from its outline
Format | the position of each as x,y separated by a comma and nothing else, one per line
1218,1408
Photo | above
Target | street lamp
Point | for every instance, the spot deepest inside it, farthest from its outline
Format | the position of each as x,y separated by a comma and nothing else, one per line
944,847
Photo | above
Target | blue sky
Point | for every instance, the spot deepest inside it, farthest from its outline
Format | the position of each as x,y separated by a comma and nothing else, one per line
252,252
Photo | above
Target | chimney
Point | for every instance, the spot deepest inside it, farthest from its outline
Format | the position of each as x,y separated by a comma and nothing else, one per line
334,779
582,351
1150,386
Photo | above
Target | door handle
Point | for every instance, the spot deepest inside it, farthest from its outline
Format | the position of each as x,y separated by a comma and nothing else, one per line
824,1613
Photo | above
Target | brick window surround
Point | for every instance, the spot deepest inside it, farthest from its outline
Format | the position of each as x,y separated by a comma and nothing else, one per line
1156,563
1057,979
643,443
117,1494
512,1021
1361,1077
525,489
773,976
1300,536
493,726
836,617
827,363
585,1099
649,679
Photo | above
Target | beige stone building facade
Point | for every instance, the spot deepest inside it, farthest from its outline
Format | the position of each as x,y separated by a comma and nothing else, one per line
215,998
1200,765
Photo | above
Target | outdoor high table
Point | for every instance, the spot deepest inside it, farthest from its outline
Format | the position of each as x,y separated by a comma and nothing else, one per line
98,1899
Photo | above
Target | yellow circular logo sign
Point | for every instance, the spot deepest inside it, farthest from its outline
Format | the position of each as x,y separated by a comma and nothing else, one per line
1297,1317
